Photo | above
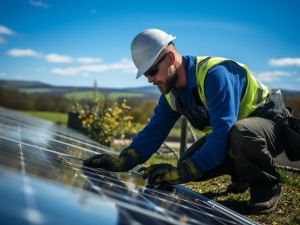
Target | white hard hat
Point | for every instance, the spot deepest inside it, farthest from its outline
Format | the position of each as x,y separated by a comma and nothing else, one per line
146,47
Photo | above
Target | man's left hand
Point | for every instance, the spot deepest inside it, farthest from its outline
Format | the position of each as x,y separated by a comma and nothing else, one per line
167,174
163,173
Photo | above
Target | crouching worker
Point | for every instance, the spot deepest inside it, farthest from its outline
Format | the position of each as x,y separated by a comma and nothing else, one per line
243,121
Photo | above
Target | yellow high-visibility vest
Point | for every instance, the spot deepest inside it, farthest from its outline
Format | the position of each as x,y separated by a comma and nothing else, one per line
255,94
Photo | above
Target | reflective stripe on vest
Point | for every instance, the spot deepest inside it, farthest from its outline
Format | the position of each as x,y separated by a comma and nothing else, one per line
171,100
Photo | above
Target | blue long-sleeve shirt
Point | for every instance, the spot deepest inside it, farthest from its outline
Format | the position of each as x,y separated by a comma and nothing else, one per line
224,87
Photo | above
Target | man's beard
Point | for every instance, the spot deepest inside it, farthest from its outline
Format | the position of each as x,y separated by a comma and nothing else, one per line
166,87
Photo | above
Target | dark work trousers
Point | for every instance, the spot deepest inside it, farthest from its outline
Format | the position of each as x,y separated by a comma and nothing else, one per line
253,142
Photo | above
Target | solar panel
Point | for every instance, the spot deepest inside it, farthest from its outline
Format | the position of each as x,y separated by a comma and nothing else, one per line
42,182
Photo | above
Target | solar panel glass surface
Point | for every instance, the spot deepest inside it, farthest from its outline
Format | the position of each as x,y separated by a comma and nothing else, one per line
42,181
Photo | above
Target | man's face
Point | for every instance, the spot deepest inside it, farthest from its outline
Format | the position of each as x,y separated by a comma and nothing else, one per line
169,84
161,75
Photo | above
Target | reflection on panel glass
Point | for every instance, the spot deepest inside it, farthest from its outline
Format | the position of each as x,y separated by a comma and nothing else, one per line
42,182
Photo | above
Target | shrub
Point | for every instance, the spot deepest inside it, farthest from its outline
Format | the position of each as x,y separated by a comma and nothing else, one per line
104,121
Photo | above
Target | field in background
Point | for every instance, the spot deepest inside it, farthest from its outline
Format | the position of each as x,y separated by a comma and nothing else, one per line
35,90
90,94
59,118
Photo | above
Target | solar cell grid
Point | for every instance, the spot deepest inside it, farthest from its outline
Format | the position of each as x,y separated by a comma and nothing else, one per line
42,180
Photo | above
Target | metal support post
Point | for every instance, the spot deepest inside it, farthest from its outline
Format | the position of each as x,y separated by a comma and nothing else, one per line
183,136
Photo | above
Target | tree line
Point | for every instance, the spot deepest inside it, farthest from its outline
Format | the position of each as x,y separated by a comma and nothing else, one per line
141,109
14,99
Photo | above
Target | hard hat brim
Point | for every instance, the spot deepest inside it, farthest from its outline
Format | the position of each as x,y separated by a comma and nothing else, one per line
150,62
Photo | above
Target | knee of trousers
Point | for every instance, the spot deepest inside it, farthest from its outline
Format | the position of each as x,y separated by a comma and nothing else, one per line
240,139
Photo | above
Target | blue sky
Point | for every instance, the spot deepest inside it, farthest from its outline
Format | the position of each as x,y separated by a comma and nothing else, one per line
76,42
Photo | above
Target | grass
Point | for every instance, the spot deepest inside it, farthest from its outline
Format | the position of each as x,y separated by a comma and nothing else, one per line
59,118
287,212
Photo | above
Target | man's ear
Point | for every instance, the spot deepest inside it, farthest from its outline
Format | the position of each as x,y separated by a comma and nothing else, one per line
171,58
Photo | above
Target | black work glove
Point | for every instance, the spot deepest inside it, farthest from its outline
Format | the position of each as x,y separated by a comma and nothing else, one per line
163,173
127,160
167,174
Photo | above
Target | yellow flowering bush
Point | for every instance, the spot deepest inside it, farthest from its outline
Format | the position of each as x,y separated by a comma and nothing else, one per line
104,121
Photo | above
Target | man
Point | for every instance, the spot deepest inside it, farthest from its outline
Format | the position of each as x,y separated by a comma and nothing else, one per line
241,117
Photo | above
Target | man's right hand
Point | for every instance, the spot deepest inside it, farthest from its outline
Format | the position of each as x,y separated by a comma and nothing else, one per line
127,160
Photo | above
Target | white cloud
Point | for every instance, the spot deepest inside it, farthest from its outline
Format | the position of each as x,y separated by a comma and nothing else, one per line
97,68
22,52
88,60
71,71
51,58
56,58
124,66
269,76
6,31
87,64
284,62
2,40
38,4
85,74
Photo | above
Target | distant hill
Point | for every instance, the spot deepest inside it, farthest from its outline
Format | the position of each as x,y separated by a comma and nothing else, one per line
289,93
22,84
35,87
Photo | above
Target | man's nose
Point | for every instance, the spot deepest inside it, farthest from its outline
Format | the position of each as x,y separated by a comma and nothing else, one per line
150,79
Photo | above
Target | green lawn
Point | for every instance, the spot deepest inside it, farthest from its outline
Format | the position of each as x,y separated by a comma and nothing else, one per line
59,118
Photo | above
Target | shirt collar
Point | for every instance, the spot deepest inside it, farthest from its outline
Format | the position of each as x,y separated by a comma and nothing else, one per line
189,67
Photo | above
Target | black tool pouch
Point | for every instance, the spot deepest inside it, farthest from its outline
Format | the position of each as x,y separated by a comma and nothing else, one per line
291,135
275,110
